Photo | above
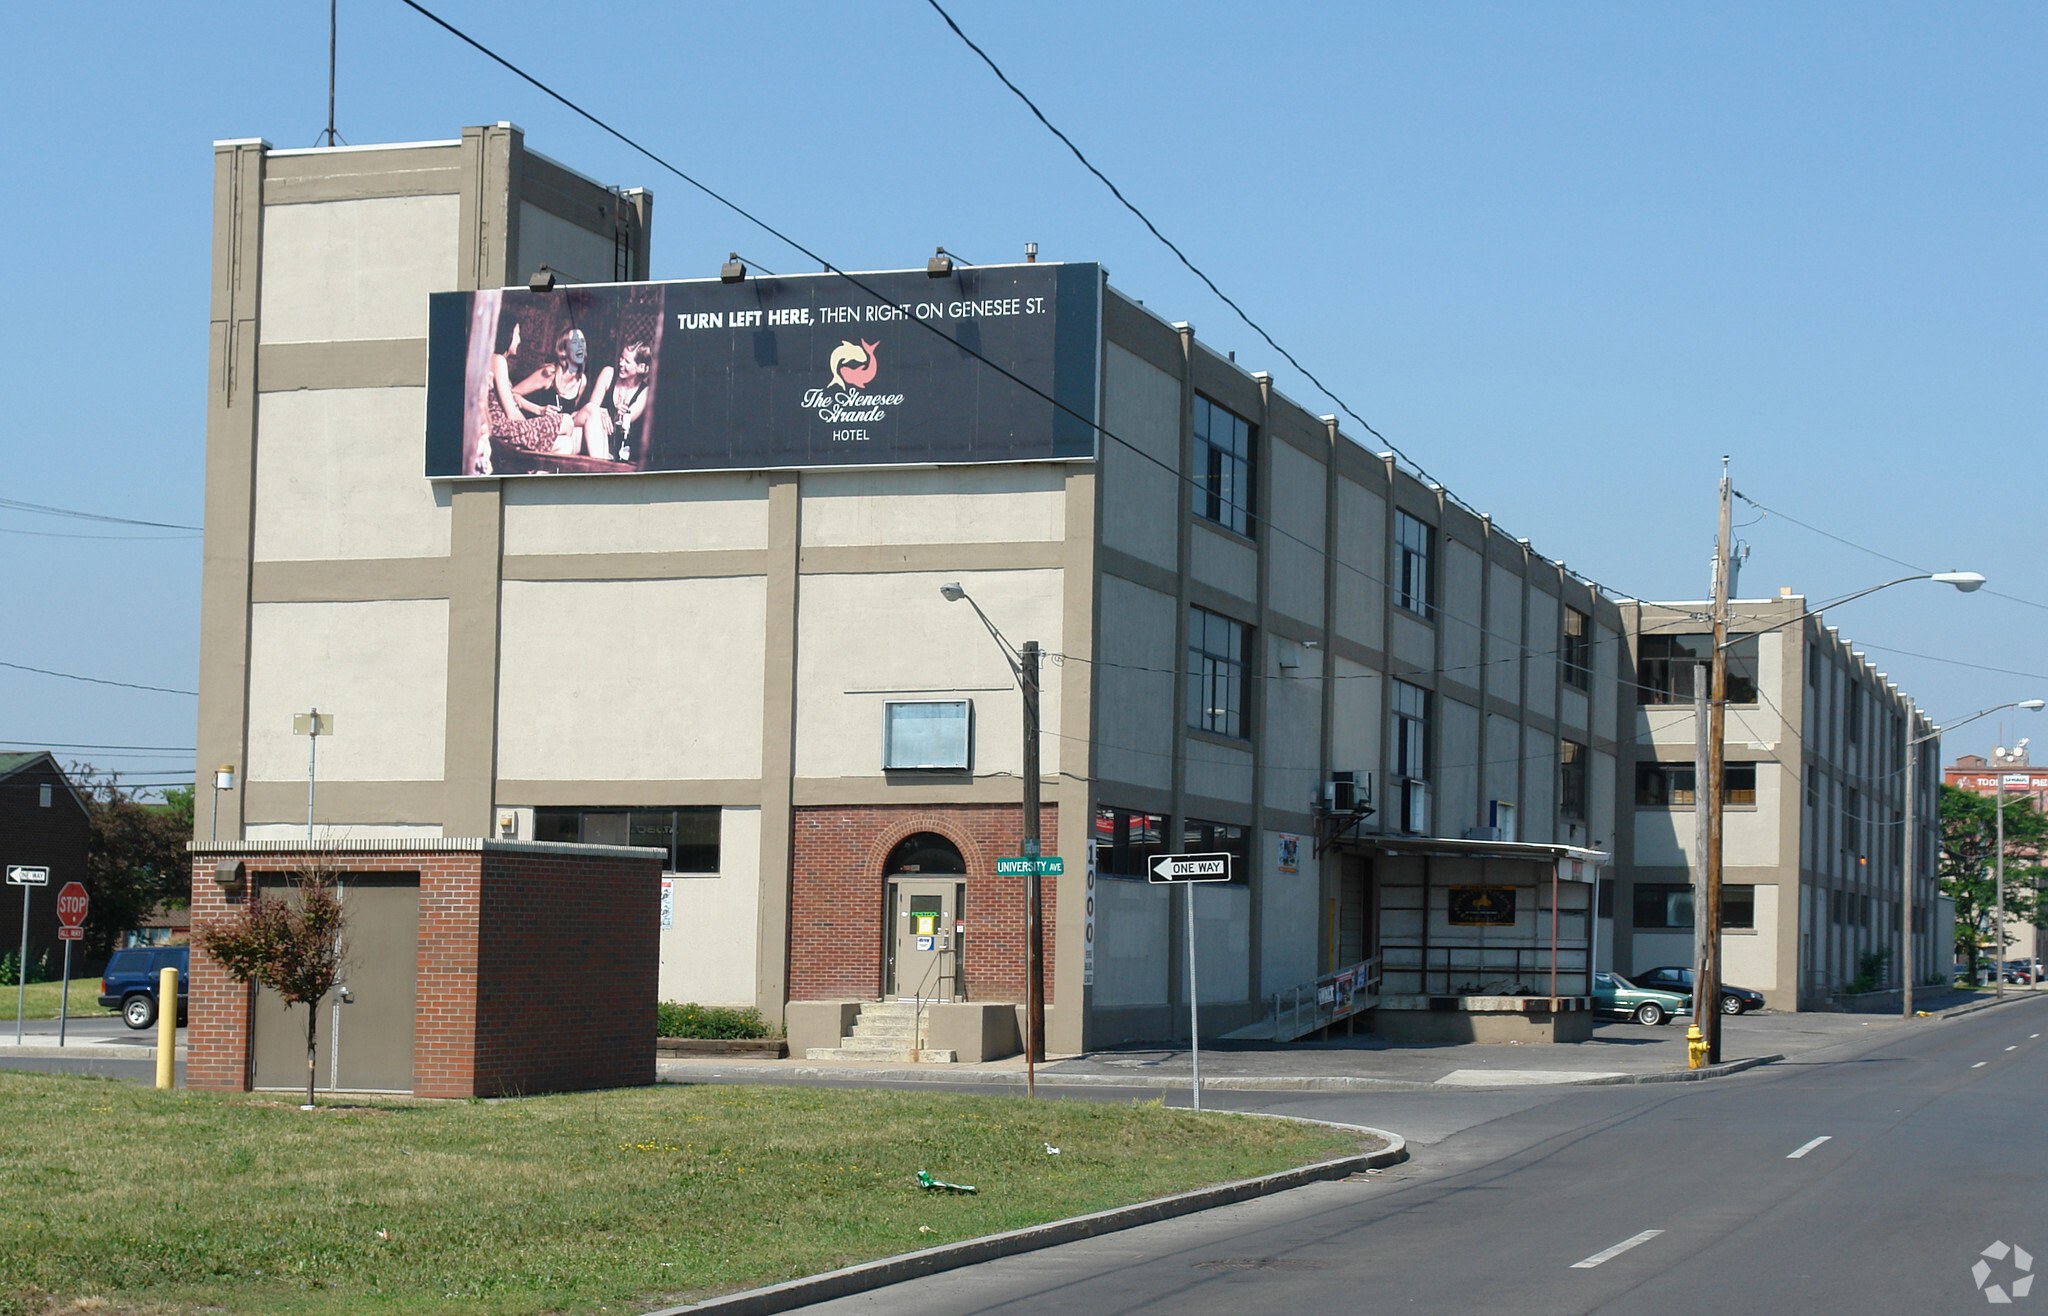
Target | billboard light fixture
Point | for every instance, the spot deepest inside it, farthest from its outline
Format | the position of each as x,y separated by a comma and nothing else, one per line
541,280
734,270
939,266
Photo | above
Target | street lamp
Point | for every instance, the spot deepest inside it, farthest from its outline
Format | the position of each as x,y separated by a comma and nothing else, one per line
1911,850
1706,996
1024,666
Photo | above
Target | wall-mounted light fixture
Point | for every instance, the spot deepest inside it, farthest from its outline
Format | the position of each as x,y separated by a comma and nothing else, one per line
733,271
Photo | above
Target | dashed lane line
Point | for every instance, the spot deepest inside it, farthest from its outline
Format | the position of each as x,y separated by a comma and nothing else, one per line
1793,1156
1980,1064
1611,1253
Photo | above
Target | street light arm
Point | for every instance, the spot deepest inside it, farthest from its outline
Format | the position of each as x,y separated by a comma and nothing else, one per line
1010,654
1851,598
2031,704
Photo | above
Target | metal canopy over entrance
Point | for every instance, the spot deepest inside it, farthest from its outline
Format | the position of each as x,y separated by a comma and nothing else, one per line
1460,918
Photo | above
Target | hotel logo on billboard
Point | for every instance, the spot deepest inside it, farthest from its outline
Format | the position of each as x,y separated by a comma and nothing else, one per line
846,401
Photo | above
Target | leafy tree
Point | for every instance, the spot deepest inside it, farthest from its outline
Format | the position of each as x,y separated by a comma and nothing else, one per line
1969,853
135,856
291,941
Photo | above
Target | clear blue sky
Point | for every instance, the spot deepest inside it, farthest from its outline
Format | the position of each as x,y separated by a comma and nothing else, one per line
1565,256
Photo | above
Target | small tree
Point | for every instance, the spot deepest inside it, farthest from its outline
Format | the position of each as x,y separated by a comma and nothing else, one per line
290,941
1969,857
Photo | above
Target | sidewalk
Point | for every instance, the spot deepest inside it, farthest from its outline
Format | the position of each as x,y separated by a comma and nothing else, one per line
1620,1052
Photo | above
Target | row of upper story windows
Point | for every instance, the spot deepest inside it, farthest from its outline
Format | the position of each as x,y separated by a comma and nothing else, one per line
1221,490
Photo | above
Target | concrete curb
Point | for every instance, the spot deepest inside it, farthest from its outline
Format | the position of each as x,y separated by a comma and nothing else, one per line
1957,1012
85,1051
952,1256
678,1072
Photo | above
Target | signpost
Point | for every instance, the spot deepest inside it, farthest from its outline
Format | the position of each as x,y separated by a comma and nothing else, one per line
312,725
24,876
71,906
1180,869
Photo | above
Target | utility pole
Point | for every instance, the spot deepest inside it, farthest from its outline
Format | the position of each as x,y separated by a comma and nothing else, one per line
1706,990
1034,924
1701,759
1909,854
332,28
1998,904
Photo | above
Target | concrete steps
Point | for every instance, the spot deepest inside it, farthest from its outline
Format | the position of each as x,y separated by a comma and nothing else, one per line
884,1030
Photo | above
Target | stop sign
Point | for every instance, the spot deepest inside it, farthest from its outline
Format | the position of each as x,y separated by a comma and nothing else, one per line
71,903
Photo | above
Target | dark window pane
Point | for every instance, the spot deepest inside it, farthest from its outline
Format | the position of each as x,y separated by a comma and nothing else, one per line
557,825
1738,907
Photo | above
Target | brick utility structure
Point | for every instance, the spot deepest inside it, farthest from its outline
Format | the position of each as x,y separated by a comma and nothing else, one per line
476,968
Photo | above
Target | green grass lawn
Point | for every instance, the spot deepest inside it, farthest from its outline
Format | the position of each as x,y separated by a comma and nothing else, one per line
43,997
124,1199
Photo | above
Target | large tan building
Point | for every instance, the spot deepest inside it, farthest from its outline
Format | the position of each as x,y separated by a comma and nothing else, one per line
1815,807
756,670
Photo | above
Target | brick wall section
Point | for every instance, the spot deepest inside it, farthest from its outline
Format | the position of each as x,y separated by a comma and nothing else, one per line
837,897
567,973
537,971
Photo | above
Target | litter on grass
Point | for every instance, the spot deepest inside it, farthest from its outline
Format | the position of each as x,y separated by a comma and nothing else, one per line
1050,1150
931,1185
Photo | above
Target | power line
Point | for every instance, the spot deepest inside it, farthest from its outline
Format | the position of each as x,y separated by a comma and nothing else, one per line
1094,424
98,680
1208,282
44,509
54,744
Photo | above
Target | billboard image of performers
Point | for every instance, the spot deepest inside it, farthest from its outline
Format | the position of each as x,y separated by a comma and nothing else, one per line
990,364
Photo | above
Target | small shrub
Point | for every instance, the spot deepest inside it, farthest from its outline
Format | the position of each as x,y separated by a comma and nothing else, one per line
689,1019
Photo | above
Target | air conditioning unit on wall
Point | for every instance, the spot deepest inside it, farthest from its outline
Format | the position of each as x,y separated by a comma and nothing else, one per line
1348,792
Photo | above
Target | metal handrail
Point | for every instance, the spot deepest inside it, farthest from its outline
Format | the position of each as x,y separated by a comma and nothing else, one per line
1300,1010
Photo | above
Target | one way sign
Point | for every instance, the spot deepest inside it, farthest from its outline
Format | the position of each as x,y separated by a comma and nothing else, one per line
1191,868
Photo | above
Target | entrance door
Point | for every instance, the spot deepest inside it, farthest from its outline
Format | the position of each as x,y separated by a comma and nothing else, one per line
924,962
367,1025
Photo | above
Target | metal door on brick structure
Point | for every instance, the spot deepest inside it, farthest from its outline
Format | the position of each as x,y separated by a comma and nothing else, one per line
367,1024
923,941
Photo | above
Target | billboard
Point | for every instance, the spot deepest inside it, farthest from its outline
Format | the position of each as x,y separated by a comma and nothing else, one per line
792,371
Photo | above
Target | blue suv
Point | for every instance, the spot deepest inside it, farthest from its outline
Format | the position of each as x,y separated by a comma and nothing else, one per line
130,981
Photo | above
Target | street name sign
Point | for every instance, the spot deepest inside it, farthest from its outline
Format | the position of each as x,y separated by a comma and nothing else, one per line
1046,866
25,875
1191,868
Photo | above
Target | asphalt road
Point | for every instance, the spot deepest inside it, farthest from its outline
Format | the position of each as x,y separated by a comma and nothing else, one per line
1708,1197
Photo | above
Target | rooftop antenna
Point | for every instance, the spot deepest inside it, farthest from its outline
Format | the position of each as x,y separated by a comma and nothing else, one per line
332,138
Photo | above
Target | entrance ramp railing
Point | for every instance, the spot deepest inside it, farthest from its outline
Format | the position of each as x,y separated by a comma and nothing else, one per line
1299,1011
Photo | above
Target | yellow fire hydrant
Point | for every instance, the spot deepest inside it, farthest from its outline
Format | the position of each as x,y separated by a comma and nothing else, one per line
1695,1047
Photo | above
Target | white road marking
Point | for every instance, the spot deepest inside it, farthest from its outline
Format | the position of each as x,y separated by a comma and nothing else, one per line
1793,1156
2032,1036
2013,1047
1615,1251
1979,1065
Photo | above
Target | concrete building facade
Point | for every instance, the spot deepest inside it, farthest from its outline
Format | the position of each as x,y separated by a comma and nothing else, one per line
1242,604
1814,816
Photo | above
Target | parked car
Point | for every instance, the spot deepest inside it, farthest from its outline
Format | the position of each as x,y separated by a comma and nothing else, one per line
1616,995
130,981
2019,971
1672,978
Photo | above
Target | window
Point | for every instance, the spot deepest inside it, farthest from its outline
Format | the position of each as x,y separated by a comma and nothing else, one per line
1578,649
1411,563
1571,779
689,835
1411,755
1125,842
1664,666
933,734
1198,837
1663,905
1672,784
1219,653
1223,466
1853,698
1738,907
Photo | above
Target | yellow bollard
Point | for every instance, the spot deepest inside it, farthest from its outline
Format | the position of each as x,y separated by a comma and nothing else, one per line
166,1028
1695,1046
